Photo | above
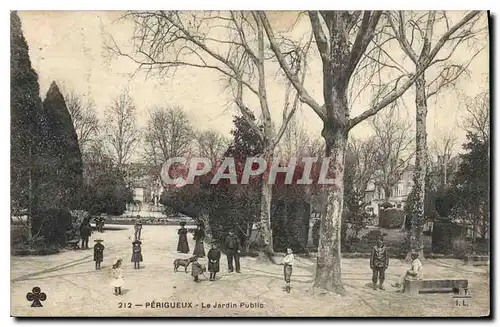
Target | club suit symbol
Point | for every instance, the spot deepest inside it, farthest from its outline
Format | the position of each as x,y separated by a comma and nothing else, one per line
36,296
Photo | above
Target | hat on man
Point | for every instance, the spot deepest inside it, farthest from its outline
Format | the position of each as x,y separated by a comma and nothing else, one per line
98,241
136,242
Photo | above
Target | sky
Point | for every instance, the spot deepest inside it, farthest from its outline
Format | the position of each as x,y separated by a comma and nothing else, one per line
69,47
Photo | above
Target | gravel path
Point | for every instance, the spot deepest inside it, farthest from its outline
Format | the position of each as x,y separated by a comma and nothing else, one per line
74,288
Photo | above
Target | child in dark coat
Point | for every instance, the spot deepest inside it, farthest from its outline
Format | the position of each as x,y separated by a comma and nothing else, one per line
98,254
136,253
213,261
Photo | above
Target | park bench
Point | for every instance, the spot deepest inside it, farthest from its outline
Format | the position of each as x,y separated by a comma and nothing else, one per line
414,286
73,239
73,244
477,260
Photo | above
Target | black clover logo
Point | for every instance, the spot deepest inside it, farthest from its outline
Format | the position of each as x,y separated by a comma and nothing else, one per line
36,296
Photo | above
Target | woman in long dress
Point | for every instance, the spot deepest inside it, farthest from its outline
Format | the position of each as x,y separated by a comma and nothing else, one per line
183,245
199,237
117,280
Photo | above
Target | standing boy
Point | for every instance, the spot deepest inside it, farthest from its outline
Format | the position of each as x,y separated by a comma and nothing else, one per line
379,262
287,269
138,229
98,254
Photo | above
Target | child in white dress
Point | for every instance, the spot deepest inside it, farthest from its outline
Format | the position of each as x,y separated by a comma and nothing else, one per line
117,280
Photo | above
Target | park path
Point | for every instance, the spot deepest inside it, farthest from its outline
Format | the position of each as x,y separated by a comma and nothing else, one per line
74,288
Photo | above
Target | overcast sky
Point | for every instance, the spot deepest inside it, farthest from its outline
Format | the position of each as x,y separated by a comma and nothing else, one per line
68,47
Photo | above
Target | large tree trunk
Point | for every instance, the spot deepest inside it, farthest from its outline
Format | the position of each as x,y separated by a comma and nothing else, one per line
328,268
417,219
264,225
30,193
387,193
205,218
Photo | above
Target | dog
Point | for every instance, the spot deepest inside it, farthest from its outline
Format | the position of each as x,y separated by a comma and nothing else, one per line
184,263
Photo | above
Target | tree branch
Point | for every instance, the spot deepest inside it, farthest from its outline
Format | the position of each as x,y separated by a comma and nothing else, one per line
401,36
303,94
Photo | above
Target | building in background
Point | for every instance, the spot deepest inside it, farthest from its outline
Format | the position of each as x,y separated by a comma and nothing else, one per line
375,195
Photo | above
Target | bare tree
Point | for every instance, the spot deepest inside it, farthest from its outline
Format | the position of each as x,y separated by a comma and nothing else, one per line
295,140
441,152
344,39
423,53
232,44
211,144
83,115
168,134
393,141
363,156
477,120
122,134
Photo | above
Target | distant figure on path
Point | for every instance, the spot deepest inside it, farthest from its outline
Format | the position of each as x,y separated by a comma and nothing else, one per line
213,261
199,237
137,229
117,280
416,271
99,223
287,269
98,254
379,262
136,253
233,249
196,270
85,232
183,246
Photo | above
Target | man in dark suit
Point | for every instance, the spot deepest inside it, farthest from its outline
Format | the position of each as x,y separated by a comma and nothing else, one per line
85,231
233,249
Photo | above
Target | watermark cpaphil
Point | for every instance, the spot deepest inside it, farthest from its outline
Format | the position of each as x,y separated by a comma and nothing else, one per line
180,171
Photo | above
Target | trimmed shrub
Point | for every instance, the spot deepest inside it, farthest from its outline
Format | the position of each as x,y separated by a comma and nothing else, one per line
442,236
461,247
52,224
290,224
372,236
391,218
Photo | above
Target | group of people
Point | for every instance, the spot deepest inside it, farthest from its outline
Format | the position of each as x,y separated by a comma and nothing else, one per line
117,277
232,246
379,262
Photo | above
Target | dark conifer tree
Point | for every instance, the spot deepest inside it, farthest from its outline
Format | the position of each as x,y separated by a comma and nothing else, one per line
60,156
25,106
